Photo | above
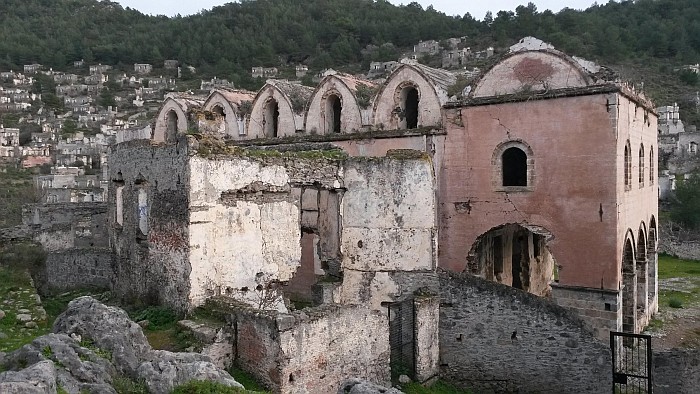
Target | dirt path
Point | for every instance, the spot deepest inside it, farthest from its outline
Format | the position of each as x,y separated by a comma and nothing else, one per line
677,327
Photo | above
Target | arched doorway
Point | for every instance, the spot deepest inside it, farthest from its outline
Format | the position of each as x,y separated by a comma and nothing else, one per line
652,263
516,256
641,266
629,287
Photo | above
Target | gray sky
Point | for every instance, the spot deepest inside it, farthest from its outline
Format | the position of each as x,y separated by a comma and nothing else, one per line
477,8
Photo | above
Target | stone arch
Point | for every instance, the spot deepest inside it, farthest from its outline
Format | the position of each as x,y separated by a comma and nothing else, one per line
224,115
170,121
535,70
652,261
513,166
515,255
261,123
321,118
629,284
641,268
390,105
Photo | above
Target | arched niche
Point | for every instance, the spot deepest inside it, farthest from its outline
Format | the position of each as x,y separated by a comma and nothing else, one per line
226,116
531,71
171,121
410,98
333,107
272,114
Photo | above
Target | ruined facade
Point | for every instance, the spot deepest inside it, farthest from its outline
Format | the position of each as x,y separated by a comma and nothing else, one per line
352,196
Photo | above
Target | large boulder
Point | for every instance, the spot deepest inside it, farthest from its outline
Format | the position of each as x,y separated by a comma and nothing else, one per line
168,370
108,328
359,386
92,346
39,378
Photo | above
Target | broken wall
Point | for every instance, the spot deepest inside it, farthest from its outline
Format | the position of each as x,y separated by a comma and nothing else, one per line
74,235
497,339
310,351
149,218
388,225
246,223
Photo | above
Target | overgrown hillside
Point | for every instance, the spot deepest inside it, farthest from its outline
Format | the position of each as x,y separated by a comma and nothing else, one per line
229,39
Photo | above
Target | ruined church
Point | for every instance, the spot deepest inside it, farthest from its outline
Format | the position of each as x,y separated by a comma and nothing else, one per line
457,233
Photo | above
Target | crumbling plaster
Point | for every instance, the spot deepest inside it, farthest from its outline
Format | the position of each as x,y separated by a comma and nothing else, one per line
531,71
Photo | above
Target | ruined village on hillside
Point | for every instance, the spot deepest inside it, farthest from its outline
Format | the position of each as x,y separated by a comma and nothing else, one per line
485,227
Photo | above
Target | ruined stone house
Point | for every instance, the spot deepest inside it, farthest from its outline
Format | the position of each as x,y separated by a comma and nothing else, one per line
539,186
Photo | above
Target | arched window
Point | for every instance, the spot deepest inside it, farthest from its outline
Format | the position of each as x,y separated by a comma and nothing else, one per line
514,167
693,148
641,165
409,98
628,167
651,166
271,118
334,109
171,122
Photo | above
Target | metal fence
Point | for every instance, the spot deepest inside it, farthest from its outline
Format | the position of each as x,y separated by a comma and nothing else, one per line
402,339
631,363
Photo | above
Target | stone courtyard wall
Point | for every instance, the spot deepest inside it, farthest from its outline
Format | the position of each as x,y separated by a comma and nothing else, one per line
309,351
494,338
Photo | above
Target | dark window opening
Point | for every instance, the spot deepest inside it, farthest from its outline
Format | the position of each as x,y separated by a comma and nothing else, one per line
272,115
411,108
219,111
514,167
628,166
171,121
336,108
497,257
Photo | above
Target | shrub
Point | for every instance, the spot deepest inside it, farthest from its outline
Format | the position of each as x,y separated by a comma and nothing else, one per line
675,303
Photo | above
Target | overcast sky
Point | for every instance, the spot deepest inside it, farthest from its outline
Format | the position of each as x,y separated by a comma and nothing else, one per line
477,8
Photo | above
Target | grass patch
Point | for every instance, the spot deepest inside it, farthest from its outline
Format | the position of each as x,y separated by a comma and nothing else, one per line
673,267
16,287
159,318
247,380
205,387
124,385
439,387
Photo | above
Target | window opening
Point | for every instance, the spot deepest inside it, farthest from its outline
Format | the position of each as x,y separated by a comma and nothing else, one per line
514,162
272,118
641,166
171,121
334,109
410,105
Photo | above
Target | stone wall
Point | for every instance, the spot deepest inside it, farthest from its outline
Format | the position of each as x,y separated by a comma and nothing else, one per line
678,242
497,339
75,238
388,225
76,269
676,371
149,217
310,351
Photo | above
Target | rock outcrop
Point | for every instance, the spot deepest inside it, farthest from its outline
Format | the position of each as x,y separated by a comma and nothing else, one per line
92,346
359,386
